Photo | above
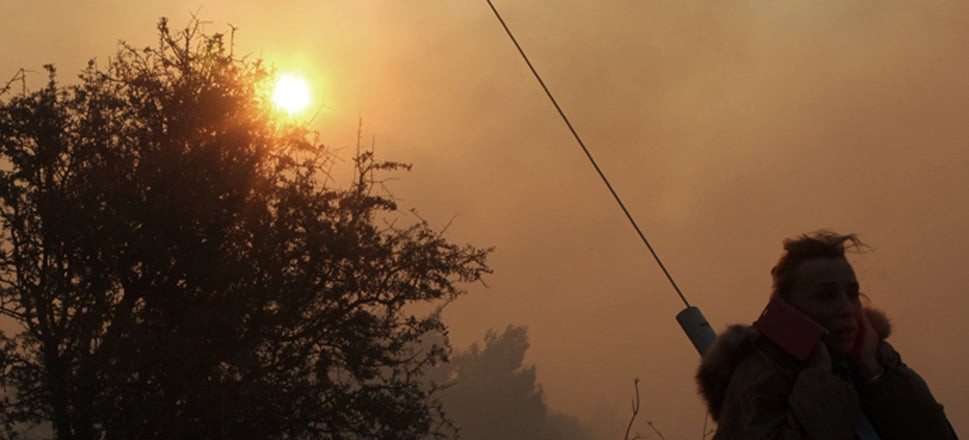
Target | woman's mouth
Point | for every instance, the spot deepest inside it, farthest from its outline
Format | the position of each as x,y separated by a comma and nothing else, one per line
844,334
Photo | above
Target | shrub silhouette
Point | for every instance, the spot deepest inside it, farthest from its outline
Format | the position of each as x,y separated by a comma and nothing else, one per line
177,267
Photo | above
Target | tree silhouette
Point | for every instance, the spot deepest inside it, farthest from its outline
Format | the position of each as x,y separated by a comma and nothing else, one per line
493,395
176,265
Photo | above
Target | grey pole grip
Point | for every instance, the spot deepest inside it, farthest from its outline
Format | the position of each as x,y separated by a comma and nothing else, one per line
697,328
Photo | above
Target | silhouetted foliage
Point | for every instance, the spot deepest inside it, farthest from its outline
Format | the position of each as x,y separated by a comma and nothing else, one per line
492,395
178,266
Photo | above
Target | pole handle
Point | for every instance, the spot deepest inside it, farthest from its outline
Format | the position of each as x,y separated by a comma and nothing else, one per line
697,328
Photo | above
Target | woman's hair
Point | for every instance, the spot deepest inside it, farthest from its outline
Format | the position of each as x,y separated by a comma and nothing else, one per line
817,244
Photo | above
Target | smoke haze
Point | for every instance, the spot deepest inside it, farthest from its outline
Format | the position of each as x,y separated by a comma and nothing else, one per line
725,127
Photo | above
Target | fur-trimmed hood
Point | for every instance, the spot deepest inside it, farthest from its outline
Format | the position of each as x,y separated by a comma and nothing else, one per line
734,345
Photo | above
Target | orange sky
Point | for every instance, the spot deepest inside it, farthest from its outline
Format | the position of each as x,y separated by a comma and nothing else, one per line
726,127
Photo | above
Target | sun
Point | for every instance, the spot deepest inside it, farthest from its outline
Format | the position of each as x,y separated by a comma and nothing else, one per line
291,94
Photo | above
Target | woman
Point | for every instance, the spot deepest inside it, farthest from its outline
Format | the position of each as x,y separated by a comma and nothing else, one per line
853,386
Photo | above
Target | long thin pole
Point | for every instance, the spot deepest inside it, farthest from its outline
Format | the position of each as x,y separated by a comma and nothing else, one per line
589,155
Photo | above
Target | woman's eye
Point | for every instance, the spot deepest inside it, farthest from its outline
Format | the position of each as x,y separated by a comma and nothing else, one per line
827,293
854,291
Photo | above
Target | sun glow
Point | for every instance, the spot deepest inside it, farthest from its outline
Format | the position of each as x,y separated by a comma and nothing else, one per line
291,94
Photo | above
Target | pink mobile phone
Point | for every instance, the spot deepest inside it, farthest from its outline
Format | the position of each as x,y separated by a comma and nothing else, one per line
788,327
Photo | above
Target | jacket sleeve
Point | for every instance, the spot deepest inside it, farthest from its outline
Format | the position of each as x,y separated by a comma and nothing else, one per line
763,403
899,403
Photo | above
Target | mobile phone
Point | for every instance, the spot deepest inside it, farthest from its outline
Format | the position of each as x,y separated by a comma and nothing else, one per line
789,328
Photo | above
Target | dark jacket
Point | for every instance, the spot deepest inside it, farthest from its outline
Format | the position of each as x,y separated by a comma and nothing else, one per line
755,390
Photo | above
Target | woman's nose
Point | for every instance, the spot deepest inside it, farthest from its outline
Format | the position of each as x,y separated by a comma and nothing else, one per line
846,305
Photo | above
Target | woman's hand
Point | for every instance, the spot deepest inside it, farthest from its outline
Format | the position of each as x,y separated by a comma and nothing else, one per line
863,354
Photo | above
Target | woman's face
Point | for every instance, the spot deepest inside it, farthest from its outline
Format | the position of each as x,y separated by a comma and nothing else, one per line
825,289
